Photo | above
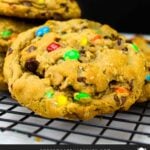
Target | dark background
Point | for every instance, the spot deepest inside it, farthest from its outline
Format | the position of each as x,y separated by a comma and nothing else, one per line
124,15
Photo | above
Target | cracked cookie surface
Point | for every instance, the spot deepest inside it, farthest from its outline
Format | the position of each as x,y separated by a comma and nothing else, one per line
42,9
74,69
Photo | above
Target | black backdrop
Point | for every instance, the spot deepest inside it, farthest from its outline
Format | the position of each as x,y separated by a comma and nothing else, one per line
124,15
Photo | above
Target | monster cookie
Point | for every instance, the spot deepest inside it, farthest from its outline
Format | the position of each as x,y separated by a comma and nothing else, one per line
9,29
3,85
143,44
74,69
43,9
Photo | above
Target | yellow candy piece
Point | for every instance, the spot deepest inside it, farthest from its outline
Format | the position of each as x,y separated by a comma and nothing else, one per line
41,1
84,41
62,100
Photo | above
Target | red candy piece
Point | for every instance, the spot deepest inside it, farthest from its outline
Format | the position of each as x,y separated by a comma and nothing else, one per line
52,47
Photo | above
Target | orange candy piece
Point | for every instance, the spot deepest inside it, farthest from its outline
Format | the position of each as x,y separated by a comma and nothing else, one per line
96,38
121,90
13,37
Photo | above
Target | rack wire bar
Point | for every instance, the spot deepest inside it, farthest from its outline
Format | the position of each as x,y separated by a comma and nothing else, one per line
132,127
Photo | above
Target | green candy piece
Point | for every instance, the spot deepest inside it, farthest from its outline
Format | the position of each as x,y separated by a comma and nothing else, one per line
135,47
6,34
49,94
98,31
81,95
71,55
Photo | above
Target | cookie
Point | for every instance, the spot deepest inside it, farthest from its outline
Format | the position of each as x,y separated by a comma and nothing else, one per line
9,29
42,9
74,69
3,85
143,44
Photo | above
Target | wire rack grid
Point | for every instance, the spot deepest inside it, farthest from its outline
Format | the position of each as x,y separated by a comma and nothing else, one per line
132,127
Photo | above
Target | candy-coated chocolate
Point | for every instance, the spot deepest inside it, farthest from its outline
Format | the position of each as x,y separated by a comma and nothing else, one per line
135,47
53,46
81,95
49,94
84,41
6,34
148,77
62,100
42,31
72,55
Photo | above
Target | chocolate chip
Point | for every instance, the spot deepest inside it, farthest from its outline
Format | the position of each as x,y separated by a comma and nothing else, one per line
131,85
123,99
40,75
125,49
63,32
64,5
74,29
113,82
82,50
9,51
84,27
32,65
92,45
31,49
27,3
11,86
70,88
119,41
113,37
57,16
66,9
56,87
43,14
97,94
129,41
57,39
81,79
146,82
106,37
116,98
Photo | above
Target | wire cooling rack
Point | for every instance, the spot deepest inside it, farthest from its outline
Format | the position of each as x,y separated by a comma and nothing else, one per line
132,127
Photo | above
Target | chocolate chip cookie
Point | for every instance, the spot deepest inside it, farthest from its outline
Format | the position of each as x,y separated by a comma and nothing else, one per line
42,9
74,69
9,29
144,45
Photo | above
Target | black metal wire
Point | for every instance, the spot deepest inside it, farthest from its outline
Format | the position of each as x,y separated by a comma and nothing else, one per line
13,105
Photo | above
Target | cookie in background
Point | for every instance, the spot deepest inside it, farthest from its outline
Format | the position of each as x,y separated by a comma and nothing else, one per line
9,29
41,9
144,45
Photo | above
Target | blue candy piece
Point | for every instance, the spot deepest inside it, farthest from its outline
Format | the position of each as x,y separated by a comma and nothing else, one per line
41,31
147,78
46,29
